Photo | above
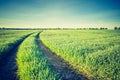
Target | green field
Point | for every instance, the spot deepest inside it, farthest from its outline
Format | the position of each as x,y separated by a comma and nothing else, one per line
32,65
10,38
94,53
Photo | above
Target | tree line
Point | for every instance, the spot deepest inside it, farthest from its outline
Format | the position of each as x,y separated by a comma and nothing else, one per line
101,28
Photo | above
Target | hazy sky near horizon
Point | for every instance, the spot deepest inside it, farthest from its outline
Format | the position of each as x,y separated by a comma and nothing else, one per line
59,13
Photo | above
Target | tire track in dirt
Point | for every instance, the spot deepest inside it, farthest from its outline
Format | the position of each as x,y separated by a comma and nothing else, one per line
8,66
59,65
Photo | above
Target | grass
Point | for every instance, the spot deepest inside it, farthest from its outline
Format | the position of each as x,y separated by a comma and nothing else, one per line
32,65
9,39
96,53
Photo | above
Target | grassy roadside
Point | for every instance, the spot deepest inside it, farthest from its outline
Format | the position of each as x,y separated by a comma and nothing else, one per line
9,39
93,52
32,65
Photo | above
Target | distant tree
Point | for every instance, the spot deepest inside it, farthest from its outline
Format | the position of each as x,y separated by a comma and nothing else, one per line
119,28
106,28
101,28
115,28
2,28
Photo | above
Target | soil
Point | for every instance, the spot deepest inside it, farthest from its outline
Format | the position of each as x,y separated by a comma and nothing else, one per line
8,66
59,65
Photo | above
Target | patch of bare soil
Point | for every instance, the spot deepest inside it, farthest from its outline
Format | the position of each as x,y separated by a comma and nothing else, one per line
9,68
59,65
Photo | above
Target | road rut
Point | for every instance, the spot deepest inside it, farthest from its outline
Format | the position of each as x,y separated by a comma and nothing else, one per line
59,65
8,66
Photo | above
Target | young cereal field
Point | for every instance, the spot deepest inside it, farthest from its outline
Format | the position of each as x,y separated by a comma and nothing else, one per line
32,65
9,42
59,55
95,53
11,38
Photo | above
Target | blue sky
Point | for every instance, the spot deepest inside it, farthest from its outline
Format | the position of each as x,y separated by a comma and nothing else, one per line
59,13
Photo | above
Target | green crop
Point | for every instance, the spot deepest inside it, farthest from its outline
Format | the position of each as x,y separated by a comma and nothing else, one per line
96,53
32,65
9,39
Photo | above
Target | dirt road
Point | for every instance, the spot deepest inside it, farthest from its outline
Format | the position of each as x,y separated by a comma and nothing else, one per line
59,65
8,66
